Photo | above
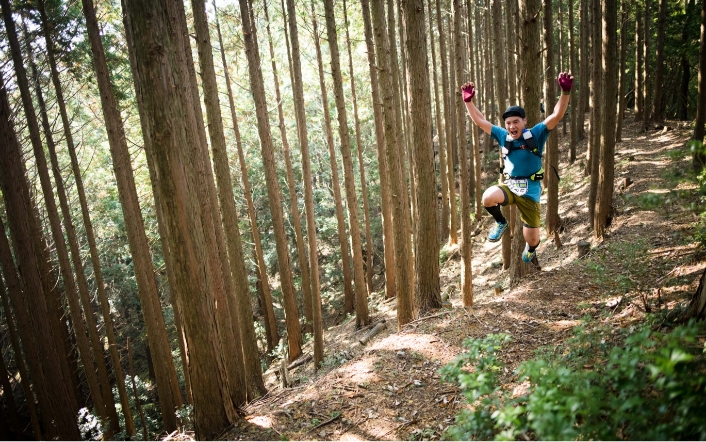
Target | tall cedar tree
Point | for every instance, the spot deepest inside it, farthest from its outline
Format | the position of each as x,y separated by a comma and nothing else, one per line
403,253
658,88
169,128
606,174
266,295
49,368
440,135
463,160
387,235
624,13
15,341
9,396
583,71
427,288
449,119
88,225
361,293
349,294
359,148
551,149
293,198
639,37
165,373
85,352
476,174
257,87
699,157
253,371
302,134
90,351
511,39
686,38
576,117
530,39
593,150
646,64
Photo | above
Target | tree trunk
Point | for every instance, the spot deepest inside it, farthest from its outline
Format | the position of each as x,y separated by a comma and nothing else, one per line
449,134
16,348
463,160
173,140
361,295
258,91
697,306
593,151
349,294
658,88
562,56
551,149
88,225
359,147
48,364
530,75
440,133
604,203
387,235
573,65
685,65
403,254
624,13
583,73
267,308
647,66
253,372
511,39
699,157
427,257
499,68
7,392
476,173
639,37
167,388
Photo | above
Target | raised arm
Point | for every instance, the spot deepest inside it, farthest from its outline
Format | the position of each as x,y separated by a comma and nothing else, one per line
565,81
468,91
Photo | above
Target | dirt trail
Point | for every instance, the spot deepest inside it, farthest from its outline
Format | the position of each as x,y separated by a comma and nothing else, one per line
390,389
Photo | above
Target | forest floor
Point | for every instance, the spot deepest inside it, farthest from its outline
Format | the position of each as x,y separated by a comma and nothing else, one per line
390,389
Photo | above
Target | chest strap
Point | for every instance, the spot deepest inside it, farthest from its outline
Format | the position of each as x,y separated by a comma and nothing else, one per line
527,143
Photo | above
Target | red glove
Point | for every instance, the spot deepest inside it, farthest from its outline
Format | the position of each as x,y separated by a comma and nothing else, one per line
566,81
468,91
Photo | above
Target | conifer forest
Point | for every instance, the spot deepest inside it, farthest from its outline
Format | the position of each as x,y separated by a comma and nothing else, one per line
352,219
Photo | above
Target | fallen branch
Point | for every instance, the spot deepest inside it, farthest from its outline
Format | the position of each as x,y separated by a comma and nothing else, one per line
377,329
326,422
426,317
300,361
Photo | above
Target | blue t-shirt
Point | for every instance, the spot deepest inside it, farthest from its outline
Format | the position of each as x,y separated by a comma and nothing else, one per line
522,162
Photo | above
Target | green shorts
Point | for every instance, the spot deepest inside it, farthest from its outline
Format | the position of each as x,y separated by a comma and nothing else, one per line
529,210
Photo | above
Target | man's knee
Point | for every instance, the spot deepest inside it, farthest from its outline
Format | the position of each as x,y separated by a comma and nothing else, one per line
493,196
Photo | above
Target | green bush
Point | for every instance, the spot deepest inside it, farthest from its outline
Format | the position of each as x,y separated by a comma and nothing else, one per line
634,384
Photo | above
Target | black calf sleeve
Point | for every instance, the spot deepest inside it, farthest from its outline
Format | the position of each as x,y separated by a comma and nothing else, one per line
497,214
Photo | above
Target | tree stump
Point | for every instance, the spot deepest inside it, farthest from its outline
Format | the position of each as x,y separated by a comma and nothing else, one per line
583,248
697,307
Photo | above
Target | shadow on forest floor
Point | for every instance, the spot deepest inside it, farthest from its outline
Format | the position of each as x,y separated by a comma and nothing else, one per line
390,389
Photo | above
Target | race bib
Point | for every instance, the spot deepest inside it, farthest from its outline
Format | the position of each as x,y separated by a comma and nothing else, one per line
518,186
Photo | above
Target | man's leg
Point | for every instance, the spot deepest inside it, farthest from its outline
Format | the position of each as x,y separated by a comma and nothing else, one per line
493,197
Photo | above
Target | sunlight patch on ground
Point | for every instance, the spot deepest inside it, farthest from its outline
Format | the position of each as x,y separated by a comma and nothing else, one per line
359,372
351,436
260,421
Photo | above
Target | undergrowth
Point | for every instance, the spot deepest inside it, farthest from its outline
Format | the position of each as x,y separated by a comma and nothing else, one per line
640,382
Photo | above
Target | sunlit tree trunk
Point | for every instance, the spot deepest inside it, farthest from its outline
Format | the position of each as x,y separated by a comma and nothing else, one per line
699,158
476,173
639,36
583,72
604,203
551,149
511,39
647,65
658,88
624,13
47,361
576,116
387,233
258,91
593,150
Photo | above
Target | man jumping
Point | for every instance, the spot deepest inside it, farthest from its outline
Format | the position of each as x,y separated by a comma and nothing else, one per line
522,151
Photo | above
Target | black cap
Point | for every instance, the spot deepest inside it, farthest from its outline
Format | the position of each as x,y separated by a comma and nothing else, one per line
514,111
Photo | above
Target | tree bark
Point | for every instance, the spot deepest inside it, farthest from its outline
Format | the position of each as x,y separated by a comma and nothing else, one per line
361,295
9,397
165,92
593,151
463,160
699,157
47,361
584,75
551,149
440,133
624,13
639,37
686,38
573,65
476,173
387,234
604,203
511,40
257,87
530,76
403,254
647,66
658,88
427,288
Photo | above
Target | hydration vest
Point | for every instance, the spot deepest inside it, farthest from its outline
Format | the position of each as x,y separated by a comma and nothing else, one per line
528,143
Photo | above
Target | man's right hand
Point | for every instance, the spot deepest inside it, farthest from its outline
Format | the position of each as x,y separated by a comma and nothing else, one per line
468,91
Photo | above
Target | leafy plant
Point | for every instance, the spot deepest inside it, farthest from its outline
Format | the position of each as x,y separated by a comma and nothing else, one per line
639,383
